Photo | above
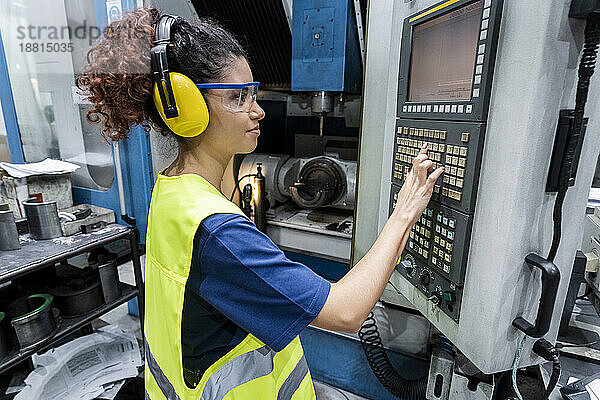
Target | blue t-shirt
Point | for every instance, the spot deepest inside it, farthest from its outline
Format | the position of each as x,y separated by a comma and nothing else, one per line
241,282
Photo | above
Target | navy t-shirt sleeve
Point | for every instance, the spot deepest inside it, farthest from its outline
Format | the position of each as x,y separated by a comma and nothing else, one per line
245,276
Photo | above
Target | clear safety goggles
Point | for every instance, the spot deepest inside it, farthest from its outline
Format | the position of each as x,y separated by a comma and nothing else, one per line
236,97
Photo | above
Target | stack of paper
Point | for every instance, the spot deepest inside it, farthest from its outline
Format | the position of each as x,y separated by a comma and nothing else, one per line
82,368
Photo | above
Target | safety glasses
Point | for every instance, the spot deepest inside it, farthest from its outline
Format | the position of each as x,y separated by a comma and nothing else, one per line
236,97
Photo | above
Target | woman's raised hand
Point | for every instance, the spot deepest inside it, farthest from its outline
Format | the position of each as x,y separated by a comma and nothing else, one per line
417,188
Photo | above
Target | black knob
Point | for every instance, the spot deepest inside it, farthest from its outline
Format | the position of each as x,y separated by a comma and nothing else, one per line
425,278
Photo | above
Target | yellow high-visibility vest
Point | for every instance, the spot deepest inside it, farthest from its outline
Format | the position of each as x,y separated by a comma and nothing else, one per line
251,370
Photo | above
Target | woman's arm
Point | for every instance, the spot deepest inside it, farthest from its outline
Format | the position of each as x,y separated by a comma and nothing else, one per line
351,299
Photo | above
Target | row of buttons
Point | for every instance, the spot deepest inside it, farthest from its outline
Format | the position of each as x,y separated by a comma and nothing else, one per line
451,222
424,133
453,194
439,108
483,33
456,160
450,180
455,171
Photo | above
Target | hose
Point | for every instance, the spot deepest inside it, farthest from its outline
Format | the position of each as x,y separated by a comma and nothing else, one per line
382,367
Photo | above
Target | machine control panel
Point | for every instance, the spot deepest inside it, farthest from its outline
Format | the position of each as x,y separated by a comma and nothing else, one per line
447,59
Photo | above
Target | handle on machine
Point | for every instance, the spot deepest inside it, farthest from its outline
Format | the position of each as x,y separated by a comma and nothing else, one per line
550,281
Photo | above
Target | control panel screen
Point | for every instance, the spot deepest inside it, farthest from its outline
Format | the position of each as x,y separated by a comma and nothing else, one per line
443,56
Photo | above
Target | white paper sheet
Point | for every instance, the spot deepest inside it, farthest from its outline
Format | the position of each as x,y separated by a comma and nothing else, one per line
593,389
48,166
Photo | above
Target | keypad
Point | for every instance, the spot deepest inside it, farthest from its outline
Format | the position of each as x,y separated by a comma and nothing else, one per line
420,235
443,242
409,142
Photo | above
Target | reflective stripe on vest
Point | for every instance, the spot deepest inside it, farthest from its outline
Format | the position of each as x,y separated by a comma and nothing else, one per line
293,381
161,380
241,369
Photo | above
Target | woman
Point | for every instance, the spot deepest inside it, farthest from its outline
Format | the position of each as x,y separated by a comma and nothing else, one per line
224,306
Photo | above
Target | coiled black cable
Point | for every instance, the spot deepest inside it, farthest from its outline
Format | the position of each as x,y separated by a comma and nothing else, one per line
382,367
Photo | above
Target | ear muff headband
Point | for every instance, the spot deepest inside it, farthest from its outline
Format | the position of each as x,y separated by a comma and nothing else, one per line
177,99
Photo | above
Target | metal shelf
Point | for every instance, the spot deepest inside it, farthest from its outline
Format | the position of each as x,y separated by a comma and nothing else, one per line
35,255
68,326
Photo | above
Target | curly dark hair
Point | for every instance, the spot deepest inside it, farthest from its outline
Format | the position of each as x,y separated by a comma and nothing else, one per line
118,79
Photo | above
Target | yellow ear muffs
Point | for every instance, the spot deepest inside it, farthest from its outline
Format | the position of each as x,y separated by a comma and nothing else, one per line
193,113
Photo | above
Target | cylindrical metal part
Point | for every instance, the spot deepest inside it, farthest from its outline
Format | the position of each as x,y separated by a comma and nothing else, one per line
38,321
322,102
9,237
109,277
42,219
78,297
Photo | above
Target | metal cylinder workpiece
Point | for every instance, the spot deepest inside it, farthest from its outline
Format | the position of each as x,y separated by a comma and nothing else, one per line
9,237
42,219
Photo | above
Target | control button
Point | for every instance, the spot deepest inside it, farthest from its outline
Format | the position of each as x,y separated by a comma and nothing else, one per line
445,192
425,253
445,220
461,162
443,133
446,268
455,161
452,223
434,260
486,13
448,159
435,108
428,234
446,179
442,242
453,170
438,229
449,246
453,181
436,239
429,224
470,106
449,296
436,188
463,151
442,148
481,48
439,217
480,59
450,149
459,183
429,212
460,172
464,137
485,23
412,131
447,109
453,108
451,235
448,258
461,108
